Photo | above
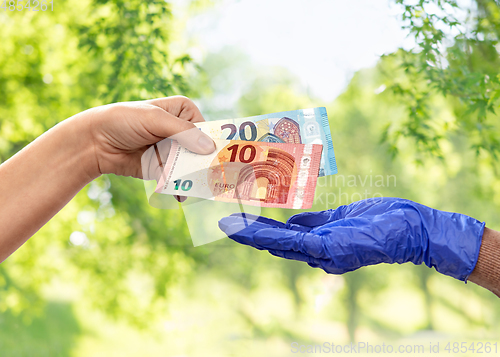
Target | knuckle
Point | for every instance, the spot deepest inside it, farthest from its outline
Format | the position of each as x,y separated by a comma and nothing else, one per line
185,102
182,98
116,109
153,111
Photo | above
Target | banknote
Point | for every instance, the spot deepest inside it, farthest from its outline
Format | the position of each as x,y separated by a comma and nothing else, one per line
304,126
265,174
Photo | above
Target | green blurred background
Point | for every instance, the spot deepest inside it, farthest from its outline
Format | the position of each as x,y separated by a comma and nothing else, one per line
112,276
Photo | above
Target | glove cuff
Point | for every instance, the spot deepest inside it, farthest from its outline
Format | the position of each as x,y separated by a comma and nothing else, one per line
478,249
455,253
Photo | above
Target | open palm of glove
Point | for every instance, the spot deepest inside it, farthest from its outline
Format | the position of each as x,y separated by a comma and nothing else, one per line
367,232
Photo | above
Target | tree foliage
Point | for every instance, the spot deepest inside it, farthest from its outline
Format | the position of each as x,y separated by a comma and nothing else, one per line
456,55
128,43
53,65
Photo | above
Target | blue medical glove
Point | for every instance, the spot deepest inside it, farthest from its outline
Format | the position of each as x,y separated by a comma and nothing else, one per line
367,232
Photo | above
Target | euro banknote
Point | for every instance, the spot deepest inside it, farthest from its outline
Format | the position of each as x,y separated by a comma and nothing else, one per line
304,126
262,174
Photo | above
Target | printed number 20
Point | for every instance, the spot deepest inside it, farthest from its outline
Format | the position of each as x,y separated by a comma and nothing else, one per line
243,134
186,185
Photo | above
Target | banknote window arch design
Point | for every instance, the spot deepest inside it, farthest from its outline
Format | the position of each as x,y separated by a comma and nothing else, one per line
267,181
288,130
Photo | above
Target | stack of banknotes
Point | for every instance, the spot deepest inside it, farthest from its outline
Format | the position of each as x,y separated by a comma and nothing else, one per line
270,160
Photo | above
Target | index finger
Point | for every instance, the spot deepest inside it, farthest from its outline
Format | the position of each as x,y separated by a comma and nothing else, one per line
180,106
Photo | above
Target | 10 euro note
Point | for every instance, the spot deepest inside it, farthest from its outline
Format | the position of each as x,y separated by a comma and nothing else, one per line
304,126
254,173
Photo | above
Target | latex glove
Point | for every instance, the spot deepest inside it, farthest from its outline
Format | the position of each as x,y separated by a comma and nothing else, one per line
367,232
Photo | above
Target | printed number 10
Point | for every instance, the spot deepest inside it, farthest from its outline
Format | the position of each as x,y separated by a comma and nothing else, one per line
186,185
243,151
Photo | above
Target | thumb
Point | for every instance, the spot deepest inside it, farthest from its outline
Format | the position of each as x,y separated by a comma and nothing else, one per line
163,125
194,140
312,219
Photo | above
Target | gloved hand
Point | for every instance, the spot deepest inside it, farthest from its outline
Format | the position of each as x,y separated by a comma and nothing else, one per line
367,232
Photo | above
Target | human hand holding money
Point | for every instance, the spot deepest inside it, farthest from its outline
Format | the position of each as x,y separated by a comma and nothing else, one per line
308,126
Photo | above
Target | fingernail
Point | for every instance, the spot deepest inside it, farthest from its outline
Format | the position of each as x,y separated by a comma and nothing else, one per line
206,144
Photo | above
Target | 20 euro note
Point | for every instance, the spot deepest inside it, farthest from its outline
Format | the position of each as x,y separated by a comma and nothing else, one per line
304,126
253,173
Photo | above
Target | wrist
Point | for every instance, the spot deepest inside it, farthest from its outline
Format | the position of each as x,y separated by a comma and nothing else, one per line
78,130
487,270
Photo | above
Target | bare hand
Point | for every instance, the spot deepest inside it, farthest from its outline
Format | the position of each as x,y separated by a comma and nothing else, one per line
120,133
